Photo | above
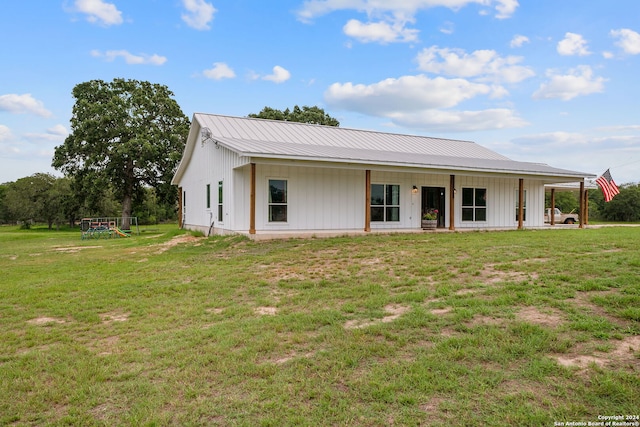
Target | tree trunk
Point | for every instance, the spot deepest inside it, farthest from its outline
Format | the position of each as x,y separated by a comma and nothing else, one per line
126,212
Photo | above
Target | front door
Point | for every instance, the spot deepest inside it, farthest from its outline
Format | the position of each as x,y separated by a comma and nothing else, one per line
433,198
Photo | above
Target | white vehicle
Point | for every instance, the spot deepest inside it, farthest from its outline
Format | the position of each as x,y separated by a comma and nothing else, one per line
559,217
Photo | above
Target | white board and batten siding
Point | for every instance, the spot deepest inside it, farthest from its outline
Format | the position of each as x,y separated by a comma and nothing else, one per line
209,165
317,198
325,169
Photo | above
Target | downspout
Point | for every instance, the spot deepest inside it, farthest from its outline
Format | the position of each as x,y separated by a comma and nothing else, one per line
212,223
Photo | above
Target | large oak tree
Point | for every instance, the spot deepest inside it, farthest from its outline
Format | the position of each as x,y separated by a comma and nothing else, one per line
125,135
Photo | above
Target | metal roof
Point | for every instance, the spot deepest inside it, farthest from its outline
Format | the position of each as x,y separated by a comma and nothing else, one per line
259,138
271,131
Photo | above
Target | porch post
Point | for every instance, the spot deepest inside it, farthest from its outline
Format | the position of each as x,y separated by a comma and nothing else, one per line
552,219
367,200
582,204
452,205
520,203
252,201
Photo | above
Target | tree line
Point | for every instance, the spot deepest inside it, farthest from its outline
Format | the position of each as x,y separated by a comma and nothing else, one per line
57,201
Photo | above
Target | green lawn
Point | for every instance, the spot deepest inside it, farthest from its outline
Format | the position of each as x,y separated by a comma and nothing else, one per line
519,328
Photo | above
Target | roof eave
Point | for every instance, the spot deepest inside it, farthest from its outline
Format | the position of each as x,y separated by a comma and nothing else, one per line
449,167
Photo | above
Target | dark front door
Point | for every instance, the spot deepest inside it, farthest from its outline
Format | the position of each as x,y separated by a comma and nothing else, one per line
433,198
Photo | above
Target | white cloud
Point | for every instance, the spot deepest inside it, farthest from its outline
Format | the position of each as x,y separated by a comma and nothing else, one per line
399,8
486,65
518,40
506,8
461,121
26,103
407,93
99,11
219,71
5,133
391,17
628,40
448,28
419,102
130,58
199,14
578,82
381,32
573,44
279,75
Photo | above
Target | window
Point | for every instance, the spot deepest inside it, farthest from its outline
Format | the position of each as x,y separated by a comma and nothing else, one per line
474,204
220,219
277,200
208,196
385,203
524,205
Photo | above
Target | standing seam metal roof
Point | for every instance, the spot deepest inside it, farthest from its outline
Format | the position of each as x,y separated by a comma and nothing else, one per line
290,140
271,131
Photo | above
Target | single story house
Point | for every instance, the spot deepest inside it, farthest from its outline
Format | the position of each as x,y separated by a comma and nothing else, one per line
266,178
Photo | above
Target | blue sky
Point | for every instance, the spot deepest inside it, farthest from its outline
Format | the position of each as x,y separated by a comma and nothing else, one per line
536,80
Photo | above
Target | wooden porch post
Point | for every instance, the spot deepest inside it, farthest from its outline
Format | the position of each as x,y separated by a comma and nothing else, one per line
252,201
520,203
452,205
552,220
367,200
582,204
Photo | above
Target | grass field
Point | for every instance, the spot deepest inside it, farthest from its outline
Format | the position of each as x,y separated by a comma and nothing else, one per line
526,328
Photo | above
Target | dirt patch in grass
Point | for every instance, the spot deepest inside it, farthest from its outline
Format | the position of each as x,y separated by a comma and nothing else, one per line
549,318
490,274
177,240
266,311
45,321
582,300
290,356
105,346
73,249
625,352
393,312
114,316
482,320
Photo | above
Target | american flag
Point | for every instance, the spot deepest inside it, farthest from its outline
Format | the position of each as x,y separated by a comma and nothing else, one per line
608,186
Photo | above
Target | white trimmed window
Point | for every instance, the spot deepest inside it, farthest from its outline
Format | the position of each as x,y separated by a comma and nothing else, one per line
277,200
220,217
474,204
385,203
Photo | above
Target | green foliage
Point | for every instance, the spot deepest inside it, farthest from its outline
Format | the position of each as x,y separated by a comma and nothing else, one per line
623,207
38,198
566,201
313,115
125,135
4,209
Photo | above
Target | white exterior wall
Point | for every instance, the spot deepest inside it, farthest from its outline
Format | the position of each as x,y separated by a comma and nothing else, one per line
209,164
317,198
333,198
502,199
